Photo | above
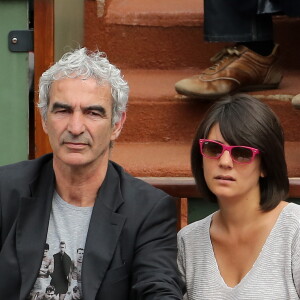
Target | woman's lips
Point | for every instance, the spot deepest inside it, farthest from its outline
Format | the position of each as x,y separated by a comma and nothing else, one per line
222,177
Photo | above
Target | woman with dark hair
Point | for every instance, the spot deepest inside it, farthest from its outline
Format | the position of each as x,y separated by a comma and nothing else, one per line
250,247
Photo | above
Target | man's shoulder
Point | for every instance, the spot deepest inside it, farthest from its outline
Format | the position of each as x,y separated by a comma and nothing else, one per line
140,196
136,186
24,171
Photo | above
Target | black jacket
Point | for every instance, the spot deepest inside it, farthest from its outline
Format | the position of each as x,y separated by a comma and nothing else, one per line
130,251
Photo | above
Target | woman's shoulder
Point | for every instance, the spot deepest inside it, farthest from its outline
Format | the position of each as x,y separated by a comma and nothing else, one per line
290,229
195,228
289,219
292,210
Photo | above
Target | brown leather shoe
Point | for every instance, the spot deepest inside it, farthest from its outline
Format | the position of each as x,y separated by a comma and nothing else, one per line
235,69
296,101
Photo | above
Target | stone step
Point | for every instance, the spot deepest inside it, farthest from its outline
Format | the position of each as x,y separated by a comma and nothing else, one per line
156,113
173,159
166,34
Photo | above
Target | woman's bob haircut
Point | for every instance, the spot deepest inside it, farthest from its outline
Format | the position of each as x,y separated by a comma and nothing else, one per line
244,120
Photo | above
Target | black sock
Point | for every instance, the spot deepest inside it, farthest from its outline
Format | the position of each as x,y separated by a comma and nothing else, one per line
263,48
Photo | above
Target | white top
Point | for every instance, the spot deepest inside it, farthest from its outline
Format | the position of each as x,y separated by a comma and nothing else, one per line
275,275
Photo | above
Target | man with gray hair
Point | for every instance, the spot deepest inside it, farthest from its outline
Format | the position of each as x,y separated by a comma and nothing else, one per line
126,227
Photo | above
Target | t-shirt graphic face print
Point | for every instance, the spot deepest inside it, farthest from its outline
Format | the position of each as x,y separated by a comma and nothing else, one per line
59,277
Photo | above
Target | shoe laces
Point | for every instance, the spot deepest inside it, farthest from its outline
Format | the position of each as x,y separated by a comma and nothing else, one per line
223,55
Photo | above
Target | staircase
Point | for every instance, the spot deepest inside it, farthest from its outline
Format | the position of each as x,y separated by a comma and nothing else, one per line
156,43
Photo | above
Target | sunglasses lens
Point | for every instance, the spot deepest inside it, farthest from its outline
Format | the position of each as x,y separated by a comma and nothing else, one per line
239,154
242,154
211,149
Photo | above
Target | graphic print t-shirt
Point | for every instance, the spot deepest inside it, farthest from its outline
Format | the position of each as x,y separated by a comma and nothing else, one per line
60,272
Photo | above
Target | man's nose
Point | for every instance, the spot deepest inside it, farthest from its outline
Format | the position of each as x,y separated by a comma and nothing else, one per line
76,124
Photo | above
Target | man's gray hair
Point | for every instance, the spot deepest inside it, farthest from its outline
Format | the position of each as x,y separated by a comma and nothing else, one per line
86,64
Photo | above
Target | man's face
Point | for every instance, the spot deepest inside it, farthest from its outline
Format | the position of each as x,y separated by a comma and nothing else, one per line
80,255
49,294
62,248
79,121
46,252
76,295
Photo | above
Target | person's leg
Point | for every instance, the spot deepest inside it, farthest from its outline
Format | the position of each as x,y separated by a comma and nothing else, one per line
235,21
229,22
251,64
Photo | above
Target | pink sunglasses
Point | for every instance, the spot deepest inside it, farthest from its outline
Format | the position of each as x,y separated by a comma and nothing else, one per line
239,154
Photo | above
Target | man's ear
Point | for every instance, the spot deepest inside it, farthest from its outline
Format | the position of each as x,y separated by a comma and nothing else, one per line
44,124
117,128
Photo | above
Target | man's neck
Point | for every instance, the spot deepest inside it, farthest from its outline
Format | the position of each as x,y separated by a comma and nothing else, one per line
79,185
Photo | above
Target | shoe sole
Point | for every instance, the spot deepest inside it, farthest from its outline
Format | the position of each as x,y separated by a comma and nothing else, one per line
250,88
198,96
259,87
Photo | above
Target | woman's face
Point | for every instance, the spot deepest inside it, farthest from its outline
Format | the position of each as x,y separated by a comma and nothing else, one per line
229,180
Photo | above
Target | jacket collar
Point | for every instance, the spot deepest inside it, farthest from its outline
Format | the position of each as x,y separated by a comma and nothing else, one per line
32,227
104,232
